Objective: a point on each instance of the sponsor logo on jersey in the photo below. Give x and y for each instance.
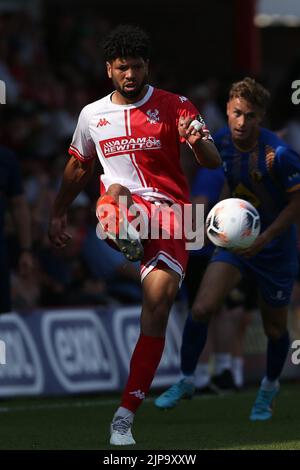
(183, 99)
(102, 122)
(153, 116)
(111, 147)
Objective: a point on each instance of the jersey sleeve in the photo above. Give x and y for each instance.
(287, 165)
(82, 145)
(221, 138)
(208, 183)
(186, 108)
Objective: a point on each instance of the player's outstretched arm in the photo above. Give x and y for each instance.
(205, 150)
(225, 191)
(289, 215)
(75, 178)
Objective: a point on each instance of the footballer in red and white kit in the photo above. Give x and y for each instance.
(136, 132)
(138, 146)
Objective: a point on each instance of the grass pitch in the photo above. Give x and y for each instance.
(212, 422)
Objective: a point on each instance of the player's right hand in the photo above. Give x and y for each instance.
(189, 132)
(57, 232)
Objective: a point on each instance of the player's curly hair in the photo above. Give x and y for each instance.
(252, 91)
(126, 41)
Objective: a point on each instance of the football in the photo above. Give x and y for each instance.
(233, 223)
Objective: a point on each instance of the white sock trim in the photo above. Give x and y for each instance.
(269, 385)
(202, 375)
(189, 379)
(222, 362)
(124, 413)
(237, 369)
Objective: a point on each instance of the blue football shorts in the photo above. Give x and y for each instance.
(274, 273)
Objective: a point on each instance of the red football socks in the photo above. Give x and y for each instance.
(144, 362)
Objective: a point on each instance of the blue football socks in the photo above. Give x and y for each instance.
(277, 352)
(193, 342)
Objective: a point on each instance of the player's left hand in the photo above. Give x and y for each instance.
(188, 132)
(261, 241)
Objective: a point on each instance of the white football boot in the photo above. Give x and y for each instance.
(120, 431)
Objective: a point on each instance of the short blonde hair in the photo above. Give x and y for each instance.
(252, 91)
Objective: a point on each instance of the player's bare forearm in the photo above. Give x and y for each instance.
(22, 220)
(289, 215)
(75, 178)
(225, 191)
(206, 153)
(196, 136)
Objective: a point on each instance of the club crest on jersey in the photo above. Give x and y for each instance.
(153, 116)
(183, 99)
(256, 175)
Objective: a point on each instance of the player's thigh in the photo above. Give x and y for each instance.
(274, 319)
(218, 280)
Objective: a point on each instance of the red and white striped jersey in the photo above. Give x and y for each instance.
(137, 144)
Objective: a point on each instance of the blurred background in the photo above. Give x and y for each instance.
(52, 65)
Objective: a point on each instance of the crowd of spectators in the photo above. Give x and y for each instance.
(51, 70)
(49, 77)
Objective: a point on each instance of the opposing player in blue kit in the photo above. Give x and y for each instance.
(262, 169)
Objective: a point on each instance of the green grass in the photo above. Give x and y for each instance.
(202, 423)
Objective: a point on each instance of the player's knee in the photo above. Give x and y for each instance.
(155, 317)
(202, 312)
(161, 308)
(117, 189)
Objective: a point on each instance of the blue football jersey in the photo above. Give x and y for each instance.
(263, 176)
